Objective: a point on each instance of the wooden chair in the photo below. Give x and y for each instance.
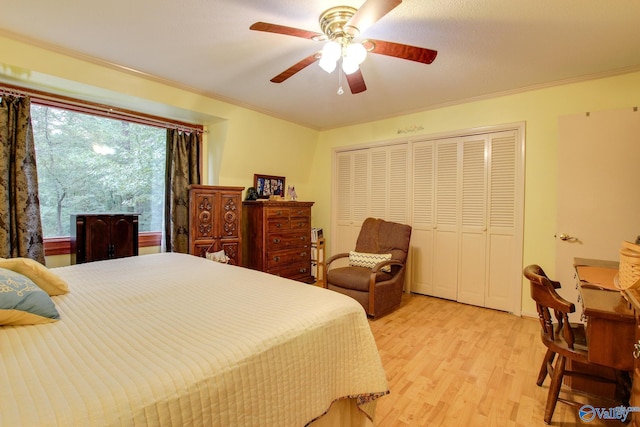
(378, 287)
(562, 338)
(550, 354)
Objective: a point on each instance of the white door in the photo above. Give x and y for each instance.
(351, 186)
(389, 181)
(422, 190)
(445, 251)
(598, 189)
(505, 221)
(473, 227)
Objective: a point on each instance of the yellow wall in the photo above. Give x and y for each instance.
(540, 109)
(241, 142)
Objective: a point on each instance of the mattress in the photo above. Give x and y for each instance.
(177, 340)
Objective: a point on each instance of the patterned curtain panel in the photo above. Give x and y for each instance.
(183, 168)
(20, 223)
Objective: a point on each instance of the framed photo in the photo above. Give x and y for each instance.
(269, 185)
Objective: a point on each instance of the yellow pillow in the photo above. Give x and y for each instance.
(41, 275)
(17, 318)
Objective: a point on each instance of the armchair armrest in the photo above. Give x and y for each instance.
(335, 257)
(382, 264)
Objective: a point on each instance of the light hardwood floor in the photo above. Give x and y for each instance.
(451, 364)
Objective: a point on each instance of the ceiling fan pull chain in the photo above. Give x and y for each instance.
(340, 90)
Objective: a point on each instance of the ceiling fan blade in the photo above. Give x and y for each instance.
(368, 14)
(295, 68)
(404, 51)
(287, 31)
(356, 82)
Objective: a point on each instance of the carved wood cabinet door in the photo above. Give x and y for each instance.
(215, 215)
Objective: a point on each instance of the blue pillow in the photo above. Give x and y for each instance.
(22, 302)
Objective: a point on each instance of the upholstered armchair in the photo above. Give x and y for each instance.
(376, 270)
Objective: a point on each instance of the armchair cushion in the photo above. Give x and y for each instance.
(356, 278)
(367, 260)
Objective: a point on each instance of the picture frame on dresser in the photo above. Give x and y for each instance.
(269, 185)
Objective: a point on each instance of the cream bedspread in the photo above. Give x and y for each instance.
(170, 339)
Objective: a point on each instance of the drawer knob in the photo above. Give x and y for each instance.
(276, 240)
(636, 350)
(276, 258)
(278, 225)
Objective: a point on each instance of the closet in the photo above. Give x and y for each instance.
(463, 196)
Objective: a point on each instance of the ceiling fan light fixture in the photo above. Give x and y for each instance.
(331, 51)
(356, 52)
(349, 65)
(327, 64)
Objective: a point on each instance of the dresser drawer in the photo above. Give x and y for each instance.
(277, 225)
(300, 213)
(301, 223)
(283, 258)
(277, 213)
(277, 242)
(299, 271)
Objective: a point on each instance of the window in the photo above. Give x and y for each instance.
(89, 163)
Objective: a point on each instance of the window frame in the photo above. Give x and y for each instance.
(61, 245)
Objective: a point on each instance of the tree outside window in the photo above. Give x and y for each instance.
(93, 164)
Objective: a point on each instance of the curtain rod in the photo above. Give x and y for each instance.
(81, 106)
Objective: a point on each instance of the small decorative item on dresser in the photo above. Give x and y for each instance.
(291, 193)
(269, 185)
(252, 194)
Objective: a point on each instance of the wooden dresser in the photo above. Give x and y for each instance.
(215, 215)
(96, 237)
(278, 238)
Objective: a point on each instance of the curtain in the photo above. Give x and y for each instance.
(20, 223)
(183, 168)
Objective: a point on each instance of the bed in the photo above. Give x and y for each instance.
(177, 340)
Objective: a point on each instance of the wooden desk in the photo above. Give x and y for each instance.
(610, 318)
(633, 295)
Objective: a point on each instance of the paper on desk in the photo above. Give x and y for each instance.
(598, 276)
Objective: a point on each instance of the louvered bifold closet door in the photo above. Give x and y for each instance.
(389, 183)
(422, 189)
(473, 227)
(504, 248)
(445, 251)
(352, 195)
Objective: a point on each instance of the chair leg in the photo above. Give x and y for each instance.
(548, 359)
(554, 388)
(623, 387)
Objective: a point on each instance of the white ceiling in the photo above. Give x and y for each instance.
(485, 48)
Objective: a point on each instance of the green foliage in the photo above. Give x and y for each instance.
(93, 164)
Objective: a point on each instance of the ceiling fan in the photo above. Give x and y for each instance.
(340, 26)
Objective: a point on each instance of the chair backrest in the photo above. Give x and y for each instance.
(543, 292)
(378, 236)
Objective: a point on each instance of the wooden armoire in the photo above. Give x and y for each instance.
(215, 221)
